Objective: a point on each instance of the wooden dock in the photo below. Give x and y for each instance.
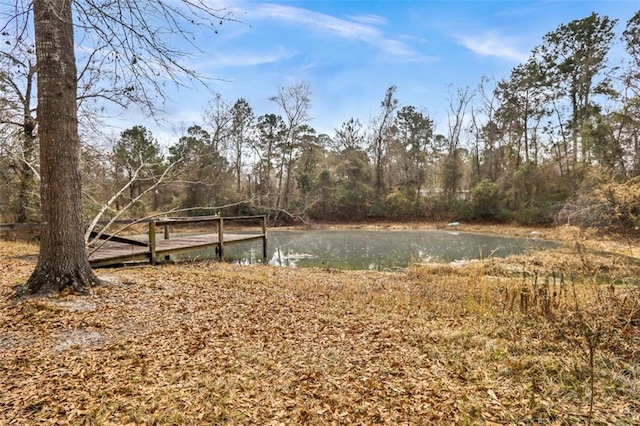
(116, 250)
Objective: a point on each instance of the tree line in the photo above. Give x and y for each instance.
(557, 140)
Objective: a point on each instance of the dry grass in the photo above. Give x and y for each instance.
(512, 341)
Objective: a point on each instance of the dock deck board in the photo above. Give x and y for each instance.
(118, 253)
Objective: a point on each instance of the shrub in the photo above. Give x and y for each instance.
(486, 202)
(604, 203)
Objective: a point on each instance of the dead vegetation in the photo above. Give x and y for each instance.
(548, 338)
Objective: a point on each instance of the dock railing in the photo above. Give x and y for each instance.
(219, 222)
(131, 249)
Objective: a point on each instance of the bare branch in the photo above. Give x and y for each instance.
(107, 205)
(132, 202)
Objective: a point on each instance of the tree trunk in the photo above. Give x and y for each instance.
(379, 166)
(27, 181)
(26, 177)
(239, 169)
(62, 262)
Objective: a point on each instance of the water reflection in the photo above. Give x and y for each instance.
(376, 249)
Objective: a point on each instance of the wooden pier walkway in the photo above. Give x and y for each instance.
(117, 250)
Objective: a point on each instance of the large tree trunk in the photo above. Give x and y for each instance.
(62, 262)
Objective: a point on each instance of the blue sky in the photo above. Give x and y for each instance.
(350, 52)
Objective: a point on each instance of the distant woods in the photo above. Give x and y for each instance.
(557, 140)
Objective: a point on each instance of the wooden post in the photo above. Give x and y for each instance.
(220, 239)
(264, 239)
(166, 237)
(152, 242)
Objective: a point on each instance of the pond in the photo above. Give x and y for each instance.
(375, 249)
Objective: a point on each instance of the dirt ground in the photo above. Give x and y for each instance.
(544, 338)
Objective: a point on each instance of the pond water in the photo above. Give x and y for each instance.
(375, 249)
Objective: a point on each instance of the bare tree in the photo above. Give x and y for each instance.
(241, 133)
(456, 118)
(137, 33)
(295, 103)
(271, 132)
(17, 109)
(380, 143)
(134, 44)
(219, 119)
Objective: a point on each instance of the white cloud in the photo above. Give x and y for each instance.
(361, 28)
(492, 44)
(369, 19)
(239, 59)
(413, 39)
(402, 52)
(318, 21)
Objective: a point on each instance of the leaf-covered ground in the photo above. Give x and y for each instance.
(493, 342)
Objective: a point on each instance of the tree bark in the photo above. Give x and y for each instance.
(62, 263)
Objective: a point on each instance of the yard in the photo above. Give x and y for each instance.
(544, 338)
